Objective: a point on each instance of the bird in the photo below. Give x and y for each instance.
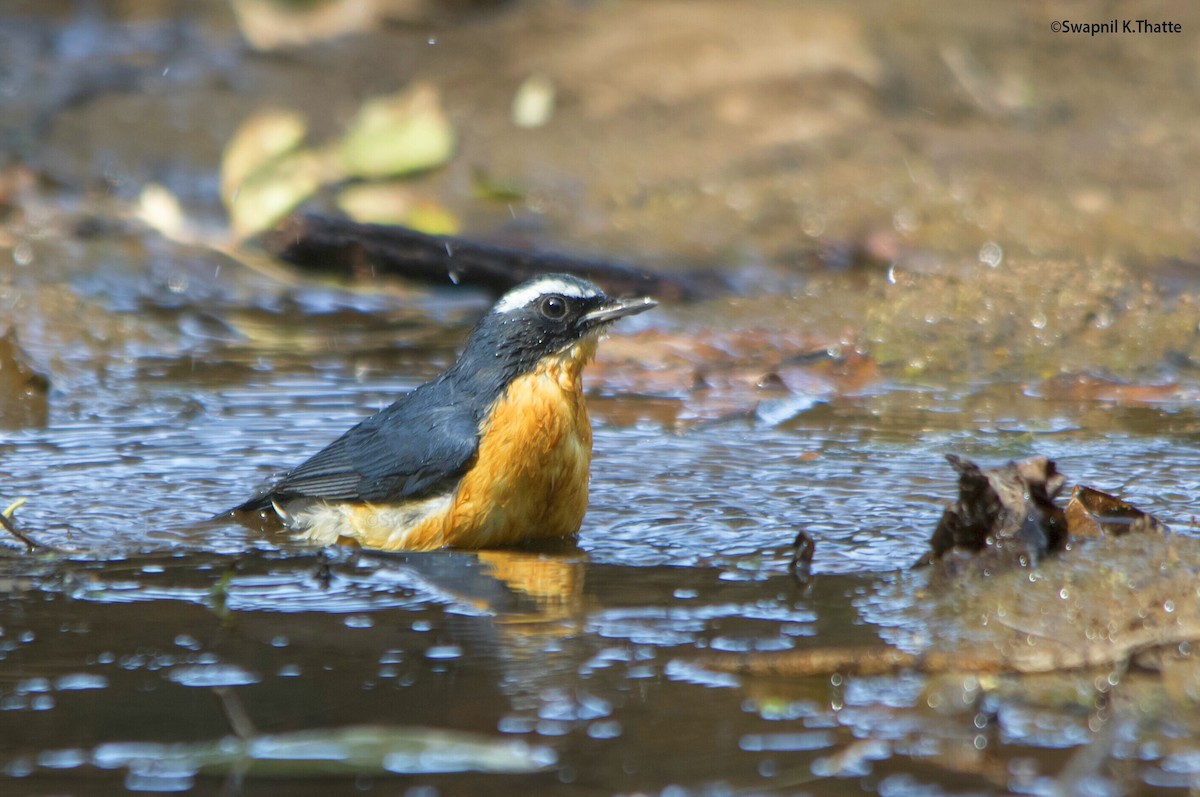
(493, 452)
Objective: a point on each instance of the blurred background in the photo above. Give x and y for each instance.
(947, 188)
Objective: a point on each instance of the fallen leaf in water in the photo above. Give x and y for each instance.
(268, 194)
(1088, 387)
(487, 186)
(275, 24)
(1006, 515)
(1093, 513)
(349, 751)
(23, 389)
(397, 135)
(533, 103)
(377, 203)
(264, 137)
(394, 203)
(433, 218)
(159, 210)
(264, 173)
(13, 507)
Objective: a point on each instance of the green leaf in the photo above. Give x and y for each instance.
(271, 192)
(396, 135)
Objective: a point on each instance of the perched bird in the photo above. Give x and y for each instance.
(493, 451)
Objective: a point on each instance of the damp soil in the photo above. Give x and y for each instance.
(935, 248)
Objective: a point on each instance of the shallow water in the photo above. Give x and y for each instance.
(589, 650)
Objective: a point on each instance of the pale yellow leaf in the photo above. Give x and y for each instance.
(397, 135)
(271, 192)
(377, 203)
(159, 209)
(433, 218)
(533, 104)
(258, 140)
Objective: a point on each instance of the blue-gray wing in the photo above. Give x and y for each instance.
(415, 447)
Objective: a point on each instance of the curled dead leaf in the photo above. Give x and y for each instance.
(1093, 513)
(1006, 513)
(23, 389)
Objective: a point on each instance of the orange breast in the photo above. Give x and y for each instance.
(530, 476)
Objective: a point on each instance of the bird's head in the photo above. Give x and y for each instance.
(552, 316)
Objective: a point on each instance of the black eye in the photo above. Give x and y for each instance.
(553, 307)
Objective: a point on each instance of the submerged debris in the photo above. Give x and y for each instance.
(337, 246)
(267, 171)
(23, 389)
(355, 750)
(1098, 606)
(349, 751)
(1092, 513)
(1006, 513)
(9, 524)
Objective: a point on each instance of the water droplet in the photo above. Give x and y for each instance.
(991, 255)
(22, 253)
(904, 220)
(213, 675)
(80, 680)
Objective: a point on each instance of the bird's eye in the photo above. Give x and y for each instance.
(553, 308)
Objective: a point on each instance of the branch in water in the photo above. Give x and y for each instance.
(351, 248)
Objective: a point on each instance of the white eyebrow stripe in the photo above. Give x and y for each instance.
(523, 295)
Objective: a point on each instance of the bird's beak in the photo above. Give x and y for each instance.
(618, 308)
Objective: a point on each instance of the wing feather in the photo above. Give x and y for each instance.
(412, 448)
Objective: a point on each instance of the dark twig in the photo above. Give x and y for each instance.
(803, 548)
(235, 711)
(353, 249)
(30, 542)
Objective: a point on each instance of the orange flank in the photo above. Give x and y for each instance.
(530, 476)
